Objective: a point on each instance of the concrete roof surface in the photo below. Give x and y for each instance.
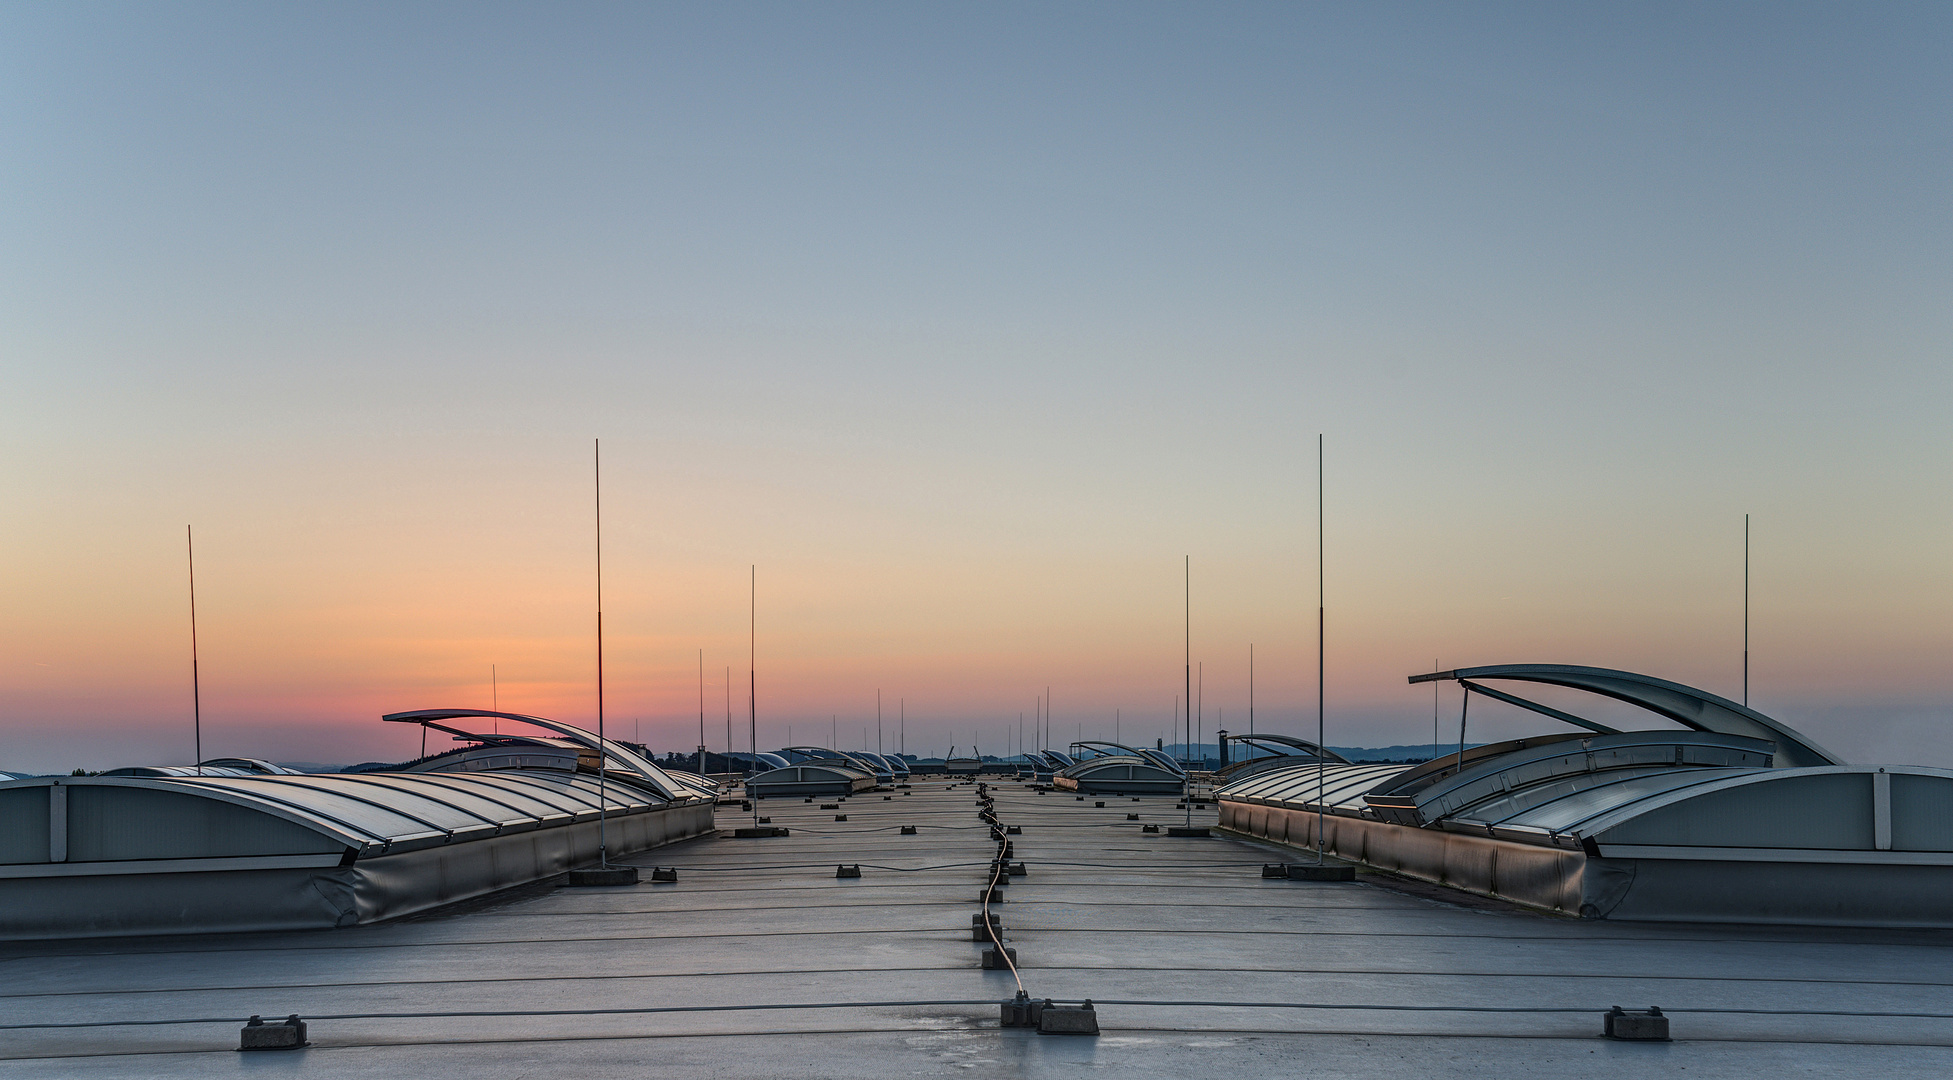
(1106, 912)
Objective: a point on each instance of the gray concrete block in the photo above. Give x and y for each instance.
(1068, 1019)
(603, 875)
(288, 1034)
(1639, 1025)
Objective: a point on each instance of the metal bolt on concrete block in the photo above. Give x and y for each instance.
(258, 1035)
(664, 873)
(1637, 1025)
(1068, 1019)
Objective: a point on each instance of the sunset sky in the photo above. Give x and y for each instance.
(965, 325)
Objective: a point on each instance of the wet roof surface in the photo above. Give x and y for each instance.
(1105, 912)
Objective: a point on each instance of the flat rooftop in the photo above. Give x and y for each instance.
(1197, 965)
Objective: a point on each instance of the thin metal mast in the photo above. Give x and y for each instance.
(729, 718)
(196, 689)
(603, 751)
(902, 726)
(495, 696)
(701, 712)
(878, 720)
(1746, 611)
(1186, 600)
(1322, 762)
(1251, 688)
(752, 671)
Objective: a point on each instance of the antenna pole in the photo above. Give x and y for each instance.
(1186, 610)
(196, 689)
(701, 712)
(603, 749)
(495, 696)
(878, 720)
(1251, 688)
(752, 670)
(729, 718)
(1321, 666)
(1746, 611)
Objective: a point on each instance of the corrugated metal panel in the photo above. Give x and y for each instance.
(620, 794)
(1822, 809)
(1342, 785)
(1922, 812)
(463, 799)
(23, 825)
(1595, 753)
(559, 790)
(1559, 805)
(527, 804)
(142, 818)
(108, 823)
(362, 815)
(393, 792)
(1568, 813)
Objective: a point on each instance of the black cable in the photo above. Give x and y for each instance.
(1531, 1010)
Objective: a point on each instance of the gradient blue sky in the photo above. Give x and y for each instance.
(966, 324)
